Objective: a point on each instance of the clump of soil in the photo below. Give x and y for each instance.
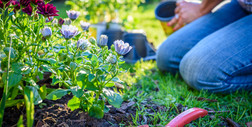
(58, 114)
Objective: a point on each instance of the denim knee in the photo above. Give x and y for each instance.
(203, 75)
(167, 57)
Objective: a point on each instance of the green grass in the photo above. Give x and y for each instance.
(144, 78)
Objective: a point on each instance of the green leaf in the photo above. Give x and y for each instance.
(14, 79)
(2, 55)
(32, 82)
(37, 99)
(73, 66)
(16, 67)
(77, 91)
(113, 98)
(57, 94)
(74, 103)
(14, 92)
(43, 92)
(106, 109)
(11, 103)
(110, 84)
(94, 60)
(87, 85)
(48, 60)
(91, 77)
(96, 111)
(81, 76)
(116, 79)
(12, 52)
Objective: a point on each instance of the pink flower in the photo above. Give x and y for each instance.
(27, 10)
(47, 9)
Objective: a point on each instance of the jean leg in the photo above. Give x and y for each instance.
(172, 50)
(221, 62)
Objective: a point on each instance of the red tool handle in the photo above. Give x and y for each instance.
(186, 117)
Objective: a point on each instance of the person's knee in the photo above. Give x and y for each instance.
(167, 56)
(201, 74)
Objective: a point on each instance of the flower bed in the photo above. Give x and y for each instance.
(33, 44)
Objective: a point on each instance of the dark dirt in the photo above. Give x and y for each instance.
(57, 114)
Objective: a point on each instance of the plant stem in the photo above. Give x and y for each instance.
(4, 97)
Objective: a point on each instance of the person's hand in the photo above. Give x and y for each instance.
(186, 12)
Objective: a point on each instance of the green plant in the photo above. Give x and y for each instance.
(32, 44)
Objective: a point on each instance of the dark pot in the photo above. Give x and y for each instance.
(113, 35)
(164, 12)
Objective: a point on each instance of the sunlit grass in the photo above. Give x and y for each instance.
(143, 78)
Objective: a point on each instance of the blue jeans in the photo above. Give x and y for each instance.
(212, 53)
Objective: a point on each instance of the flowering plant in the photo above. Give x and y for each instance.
(33, 44)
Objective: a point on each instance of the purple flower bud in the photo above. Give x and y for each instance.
(73, 15)
(103, 40)
(46, 32)
(61, 22)
(111, 59)
(83, 44)
(85, 25)
(69, 31)
(122, 48)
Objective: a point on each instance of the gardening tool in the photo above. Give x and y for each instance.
(164, 12)
(185, 117)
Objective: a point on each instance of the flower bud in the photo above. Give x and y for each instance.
(83, 44)
(46, 32)
(103, 40)
(73, 15)
(92, 40)
(85, 25)
(111, 59)
(36, 16)
(122, 48)
(67, 21)
(61, 22)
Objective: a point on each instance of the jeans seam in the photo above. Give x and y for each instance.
(229, 77)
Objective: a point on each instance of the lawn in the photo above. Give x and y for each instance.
(145, 85)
